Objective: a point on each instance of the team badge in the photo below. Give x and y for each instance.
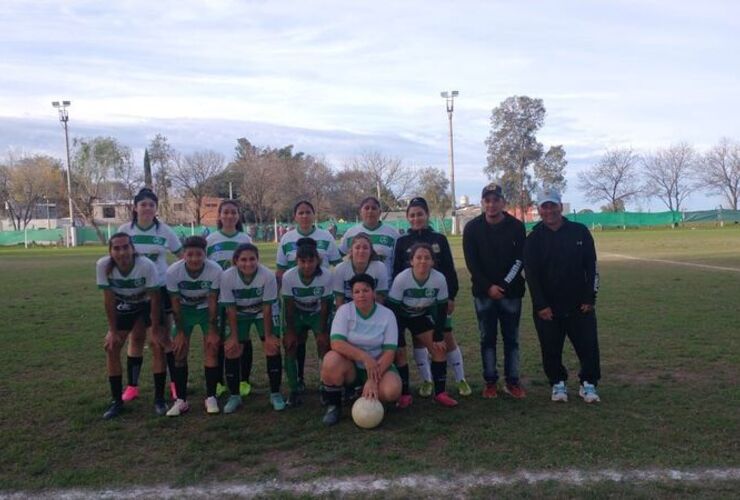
(435, 247)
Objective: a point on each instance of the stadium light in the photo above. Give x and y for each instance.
(449, 97)
(64, 118)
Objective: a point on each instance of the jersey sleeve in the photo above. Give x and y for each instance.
(344, 243)
(226, 294)
(270, 294)
(151, 277)
(173, 242)
(443, 295)
(383, 284)
(390, 337)
(328, 284)
(286, 289)
(216, 281)
(171, 279)
(340, 325)
(101, 277)
(281, 260)
(332, 252)
(396, 292)
(338, 280)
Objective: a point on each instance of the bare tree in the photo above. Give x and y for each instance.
(349, 187)
(194, 174)
(317, 183)
(387, 176)
(668, 173)
(613, 179)
(161, 156)
(719, 171)
(434, 187)
(26, 182)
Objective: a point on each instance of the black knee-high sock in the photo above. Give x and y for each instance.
(332, 394)
(116, 387)
(221, 357)
(403, 371)
(246, 360)
(439, 374)
(159, 381)
(300, 354)
(133, 369)
(181, 381)
(170, 358)
(232, 375)
(275, 372)
(211, 373)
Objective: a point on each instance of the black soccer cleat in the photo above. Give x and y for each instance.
(115, 409)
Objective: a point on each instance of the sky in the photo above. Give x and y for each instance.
(337, 78)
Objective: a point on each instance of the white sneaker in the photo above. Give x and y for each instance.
(588, 393)
(559, 392)
(212, 406)
(179, 407)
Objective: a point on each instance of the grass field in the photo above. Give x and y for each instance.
(670, 363)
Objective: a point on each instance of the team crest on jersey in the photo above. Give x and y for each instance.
(205, 284)
(429, 293)
(384, 240)
(258, 292)
(158, 240)
(318, 290)
(435, 247)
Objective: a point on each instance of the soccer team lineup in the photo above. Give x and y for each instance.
(363, 298)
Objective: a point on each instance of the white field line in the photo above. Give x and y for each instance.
(418, 485)
(617, 256)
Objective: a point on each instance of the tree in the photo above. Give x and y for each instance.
(516, 160)
(668, 173)
(612, 179)
(317, 183)
(194, 174)
(434, 187)
(162, 156)
(147, 169)
(257, 170)
(385, 176)
(349, 187)
(100, 164)
(26, 182)
(719, 171)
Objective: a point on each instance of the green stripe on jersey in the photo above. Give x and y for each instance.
(421, 293)
(248, 293)
(223, 246)
(376, 239)
(127, 283)
(149, 239)
(194, 285)
(291, 245)
(312, 291)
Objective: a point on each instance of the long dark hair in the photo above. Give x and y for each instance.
(143, 194)
(364, 236)
(307, 249)
(111, 264)
(239, 225)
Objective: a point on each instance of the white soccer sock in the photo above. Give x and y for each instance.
(455, 360)
(421, 356)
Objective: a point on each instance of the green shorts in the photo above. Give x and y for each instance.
(192, 317)
(244, 325)
(307, 321)
(361, 375)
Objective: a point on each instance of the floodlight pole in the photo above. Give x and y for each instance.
(450, 101)
(64, 118)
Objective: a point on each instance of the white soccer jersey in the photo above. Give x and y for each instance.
(346, 271)
(132, 287)
(415, 298)
(154, 242)
(307, 296)
(374, 333)
(326, 246)
(221, 246)
(382, 237)
(193, 290)
(248, 295)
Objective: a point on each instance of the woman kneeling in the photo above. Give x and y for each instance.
(364, 338)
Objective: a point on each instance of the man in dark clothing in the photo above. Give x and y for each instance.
(560, 266)
(493, 244)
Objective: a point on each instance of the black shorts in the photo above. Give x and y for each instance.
(165, 303)
(128, 314)
(416, 325)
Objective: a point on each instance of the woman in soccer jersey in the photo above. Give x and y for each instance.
(419, 299)
(153, 239)
(131, 297)
(362, 259)
(304, 216)
(220, 249)
(306, 291)
(417, 213)
(248, 291)
(364, 337)
(382, 236)
(193, 284)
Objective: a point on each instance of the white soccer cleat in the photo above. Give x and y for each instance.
(179, 407)
(559, 392)
(212, 406)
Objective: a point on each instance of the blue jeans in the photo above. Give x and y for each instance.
(490, 314)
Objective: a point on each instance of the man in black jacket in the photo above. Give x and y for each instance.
(493, 244)
(560, 265)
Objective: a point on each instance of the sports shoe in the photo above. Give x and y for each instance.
(559, 392)
(173, 391)
(277, 401)
(130, 393)
(245, 388)
(426, 388)
(179, 407)
(588, 393)
(295, 399)
(331, 417)
(220, 389)
(212, 406)
(515, 391)
(405, 401)
(160, 407)
(233, 403)
(113, 410)
(490, 391)
(445, 400)
(463, 388)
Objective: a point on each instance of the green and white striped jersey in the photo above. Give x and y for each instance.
(326, 246)
(307, 296)
(132, 287)
(346, 271)
(193, 290)
(382, 237)
(418, 298)
(221, 246)
(248, 294)
(154, 242)
(374, 333)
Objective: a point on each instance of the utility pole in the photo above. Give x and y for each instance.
(450, 101)
(64, 118)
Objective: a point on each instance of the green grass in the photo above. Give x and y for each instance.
(670, 363)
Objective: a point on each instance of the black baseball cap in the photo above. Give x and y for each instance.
(493, 189)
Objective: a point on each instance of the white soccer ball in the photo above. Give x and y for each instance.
(367, 413)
